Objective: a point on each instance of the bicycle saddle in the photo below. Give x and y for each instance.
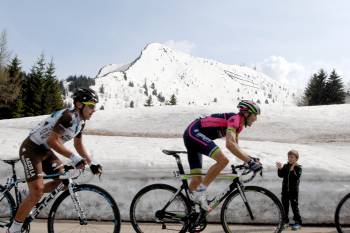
(174, 152)
(10, 161)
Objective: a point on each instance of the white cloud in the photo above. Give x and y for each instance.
(297, 75)
(182, 45)
(289, 73)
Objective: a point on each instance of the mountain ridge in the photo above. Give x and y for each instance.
(160, 72)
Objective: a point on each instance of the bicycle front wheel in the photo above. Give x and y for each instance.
(342, 215)
(7, 208)
(96, 207)
(260, 212)
(159, 207)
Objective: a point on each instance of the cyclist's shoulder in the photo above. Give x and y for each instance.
(65, 116)
(224, 115)
(234, 119)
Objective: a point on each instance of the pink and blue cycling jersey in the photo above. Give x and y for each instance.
(199, 135)
(215, 125)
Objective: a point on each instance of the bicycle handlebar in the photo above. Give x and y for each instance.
(70, 172)
(245, 170)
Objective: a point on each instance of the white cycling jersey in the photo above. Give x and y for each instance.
(66, 123)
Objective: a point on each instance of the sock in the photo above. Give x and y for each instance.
(16, 226)
(201, 188)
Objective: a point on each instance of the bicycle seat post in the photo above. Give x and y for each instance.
(13, 170)
(179, 164)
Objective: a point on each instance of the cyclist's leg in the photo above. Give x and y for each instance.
(198, 143)
(194, 158)
(214, 170)
(208, 147)
(52, 165)
(31, 156)
(36, 190)
(195, 161)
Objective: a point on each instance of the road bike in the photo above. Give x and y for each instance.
(162, 208)
(75, 207)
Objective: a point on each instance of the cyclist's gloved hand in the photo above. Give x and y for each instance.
(96, 168)
(77, 161)
(254, 164)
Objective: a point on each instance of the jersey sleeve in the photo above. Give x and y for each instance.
(81, 131)
(64, 122)
(233, 122)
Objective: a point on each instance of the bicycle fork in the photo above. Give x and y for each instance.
(245, 201)
(76, 202)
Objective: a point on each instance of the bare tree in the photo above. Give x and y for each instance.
(4, 52)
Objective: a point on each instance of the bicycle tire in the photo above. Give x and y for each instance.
(240, 216)
(338, 215)
(7, 207)
(95, 195)
(144, 220)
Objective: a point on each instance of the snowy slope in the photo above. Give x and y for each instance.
(321, 134)
(160, 72)
(289, 124)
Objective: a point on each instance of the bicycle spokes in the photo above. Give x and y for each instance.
(257, 208)
(156, 208)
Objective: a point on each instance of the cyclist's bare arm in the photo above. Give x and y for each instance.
(79, 146)
(232, 145)
(54, 142)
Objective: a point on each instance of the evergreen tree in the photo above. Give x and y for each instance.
(102, 89)
(15, 85)
(132, 104)
(160, 97)
(63, 90)
(172, 100)
(145, 87)
(80, 81)
(52, 95)
(154, 92)
(315, 93)
(335, 89)
(35, 88)
(149, 102)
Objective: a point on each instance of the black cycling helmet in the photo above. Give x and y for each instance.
(249, 106)
(85, 95)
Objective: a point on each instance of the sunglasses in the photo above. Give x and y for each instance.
(91, 105)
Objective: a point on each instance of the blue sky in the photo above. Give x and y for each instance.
(286, 39)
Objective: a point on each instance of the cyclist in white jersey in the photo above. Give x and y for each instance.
(37, 156)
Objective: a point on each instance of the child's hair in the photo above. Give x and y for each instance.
(294, 152)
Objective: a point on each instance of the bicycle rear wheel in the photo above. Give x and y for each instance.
(7, 208)
(264, 206)
(159, 207)
(342, 215)
(100, 210)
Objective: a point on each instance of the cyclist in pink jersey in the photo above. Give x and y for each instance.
(198, 139)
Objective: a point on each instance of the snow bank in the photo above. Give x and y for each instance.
(320, 134)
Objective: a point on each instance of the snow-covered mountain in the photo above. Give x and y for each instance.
(160, 72)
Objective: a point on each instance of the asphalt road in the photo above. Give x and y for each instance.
(40, 226)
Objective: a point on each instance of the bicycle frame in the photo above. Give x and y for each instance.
(13, 182)
(215, 202)
(66, 182)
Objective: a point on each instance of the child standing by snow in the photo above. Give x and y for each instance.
(291, 172)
